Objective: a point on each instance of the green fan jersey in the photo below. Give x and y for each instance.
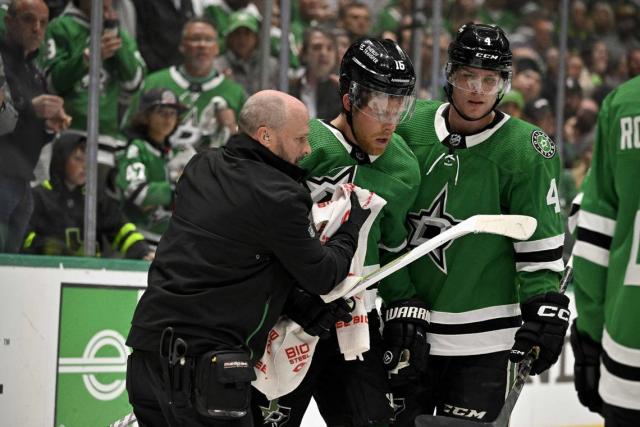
(474, 284)
(143, 180)
(203, 97)
(393, 175)
(607, 251)
(68, 72)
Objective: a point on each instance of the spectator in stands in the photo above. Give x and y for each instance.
(68, 71)
(39, 114)
(142, 169)
(159, 24)
(512, 103)
(57, 224)
(241, 61)
(355, 18)
(633, 62)
(342, 44)
(318, 87)
(527, 78)
(212, 99)
(627, 21)
(540, 113)
(580, 31)
(311, 13)
(573, 97)
(579, 130)
(219, 12)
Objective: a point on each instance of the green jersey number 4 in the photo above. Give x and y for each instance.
(552, 196)
(632, 275)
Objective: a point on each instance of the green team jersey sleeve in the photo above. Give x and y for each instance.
(64, 63)
(134, 177)
(129, 63)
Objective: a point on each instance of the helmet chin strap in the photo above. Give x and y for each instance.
(448, 89)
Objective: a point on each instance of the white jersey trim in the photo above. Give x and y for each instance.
(590, 252)
(471, 140)
(470, 344)
(472, 316)
(572, 221)
(134, 83)
(340, 137)
(557, 265)
(620, 353)
(396, 249)
(540, 245)
(598, 223)
(618, 391)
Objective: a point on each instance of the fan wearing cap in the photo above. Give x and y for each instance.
(359, 146)
(142, 169)
(485, 292)
(56, 226)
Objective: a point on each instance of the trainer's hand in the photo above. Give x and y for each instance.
(586, 369)
(406, 349)
(314, 315)
(358, 215)
(546, 319)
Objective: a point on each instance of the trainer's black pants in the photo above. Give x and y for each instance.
(469, 387)
(150, 400)
(353, 393)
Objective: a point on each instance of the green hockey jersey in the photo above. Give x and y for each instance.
(145, 186)
(394, 176)
(203, 97)
(68, 73)
(607, 250)
(474, 284)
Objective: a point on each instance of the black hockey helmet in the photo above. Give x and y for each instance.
(481, 46)
(379, 67)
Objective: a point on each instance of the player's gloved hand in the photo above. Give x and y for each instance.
(405, 340)
(358, 214)
(314, 315)
(546, 319)
(586, 369)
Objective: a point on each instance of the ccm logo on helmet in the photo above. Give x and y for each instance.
(486, 55)
(553, 311)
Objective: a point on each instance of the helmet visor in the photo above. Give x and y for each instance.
(381, 106)
(468, 80)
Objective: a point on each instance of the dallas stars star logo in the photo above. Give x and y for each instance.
(430, 222)
(275, 415)
(323, 187)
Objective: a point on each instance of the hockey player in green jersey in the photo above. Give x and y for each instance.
(67, 69)
(213, 101)
(492, 300)
(605, 337)
(359, 146)
(142, 168)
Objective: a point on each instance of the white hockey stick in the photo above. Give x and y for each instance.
(519, 227)
(524, 368)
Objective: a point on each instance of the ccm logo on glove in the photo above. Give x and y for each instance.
(554, 311)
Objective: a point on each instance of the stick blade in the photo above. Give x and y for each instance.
(439, 421)
(519, 227)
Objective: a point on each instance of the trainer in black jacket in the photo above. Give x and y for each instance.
(239, 238)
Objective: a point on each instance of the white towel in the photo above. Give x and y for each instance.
(289, 349)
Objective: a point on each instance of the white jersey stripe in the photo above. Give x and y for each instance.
(396, 249)
(557, 265)
(620, 353)
(598, 223)
(572, 221)
(592, 253)
(618, 391)
(468, 344)
(479, 315)
(540, 245)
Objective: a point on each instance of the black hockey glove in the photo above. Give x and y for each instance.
(405, 340)
(314, 315)
(546, 319)
(586, 369)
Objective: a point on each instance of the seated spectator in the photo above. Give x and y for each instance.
(512, 103)
(241, 61)
(38, 116)
(212, 100)
(355, 18)
(142, 169)
(57, 224)
(527, 78)
(579, 131)
(317, 87)
(540, 113)
(633, 63)
(219, 12)
(68, 72)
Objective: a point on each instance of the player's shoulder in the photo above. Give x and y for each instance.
(624, 97)
(522, 140)
(157, 77)
(399, 162)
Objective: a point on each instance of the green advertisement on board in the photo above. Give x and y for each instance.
(92, 355)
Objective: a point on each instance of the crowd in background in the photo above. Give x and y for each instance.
(175, 74)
